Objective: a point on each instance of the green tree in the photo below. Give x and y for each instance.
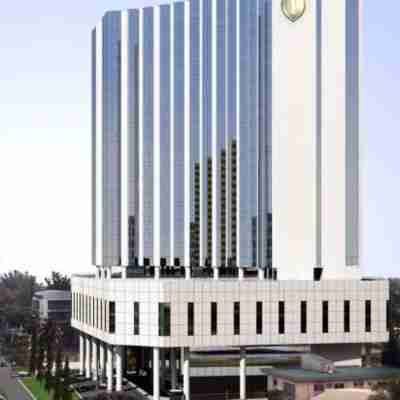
(41, 356)
(58, 281)
(49, 339)
(16, 292)
(67, 380)
(58, 384)
(33, 355)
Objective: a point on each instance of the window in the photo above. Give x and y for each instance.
(303, 317)
(339, 386)
(136, 320)
(214, 318)
(236, 318)
(388, 315)
(325, 317)
(90, 311)
(97, 313)
(58, 305)
(259, 315)
(318, 388)
(368, 316)
(190, 319)
(281, 316)
(164, 319)
(111, 317)
(101, 314)
(347, 316)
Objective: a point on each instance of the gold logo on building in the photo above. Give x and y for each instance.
(294, 9)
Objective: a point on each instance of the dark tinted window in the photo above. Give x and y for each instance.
(259, 312)
(190, 319)
(236, 318)
(325, 317)
(347, 316)
(281, 316)
(214, 318)
(164, 319)
(368, 316)
(136, 320)
(111, 317)
(303, 317)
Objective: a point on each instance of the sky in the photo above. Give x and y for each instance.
(45, 210)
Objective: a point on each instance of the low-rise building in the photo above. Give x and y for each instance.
(53, 304)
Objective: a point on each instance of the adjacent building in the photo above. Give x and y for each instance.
(53, 304)
(226, 185)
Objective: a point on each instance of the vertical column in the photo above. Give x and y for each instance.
(242, 373)
(118, 367)
(241, 273)
(95, 368)
(102, 361)
(109, 368)
(215, 150)
(88, 358)
(187, 141)
(186, 373)
(156, 145)
(156, 373)
(98, 190)
(173, 368)
(162, 367)
(81, 354)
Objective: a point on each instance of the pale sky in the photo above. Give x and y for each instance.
(45, 134)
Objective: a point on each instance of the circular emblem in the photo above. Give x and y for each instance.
(293, 9)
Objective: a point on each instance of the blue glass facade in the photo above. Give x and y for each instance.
(196, 102)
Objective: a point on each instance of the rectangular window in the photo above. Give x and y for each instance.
(259, 316)
(214, 318)
(190, 319)
(136, 320)
(281, 316)
(164, 319)
(368, 316)
(303, 317)
(101, 314)
(111, 317)
(97, 313)
(236, 318)
(325, 317)
(90, 311)
(388, 315)
(347, 316)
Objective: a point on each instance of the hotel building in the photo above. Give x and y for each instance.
(226, 185)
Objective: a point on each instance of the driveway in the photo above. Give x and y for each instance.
(11, 387)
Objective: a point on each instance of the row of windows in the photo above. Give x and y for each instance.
(93, 312)
(95, 316)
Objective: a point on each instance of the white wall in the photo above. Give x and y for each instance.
(178, 292)
(294, 143)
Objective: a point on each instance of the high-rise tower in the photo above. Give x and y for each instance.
(226, 152)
